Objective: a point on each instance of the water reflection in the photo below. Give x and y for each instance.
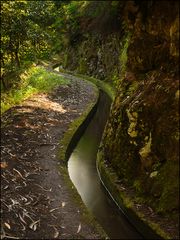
(83, 173)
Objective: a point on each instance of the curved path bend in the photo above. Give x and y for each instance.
(36, 202)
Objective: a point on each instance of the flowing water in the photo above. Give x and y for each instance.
(83, 173)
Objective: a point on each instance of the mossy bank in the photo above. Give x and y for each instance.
(68, 142)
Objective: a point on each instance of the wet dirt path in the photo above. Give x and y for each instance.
(35, 201)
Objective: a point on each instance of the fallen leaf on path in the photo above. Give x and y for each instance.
(33, 225)
(23, 227)
(56, 234)
(21, 218)
(19, 173)
(53, 216)
(52, 210)
(47, 190)
(79, 228)
(14, 202)
(7, 225)
(53, 148)
(10, 237)
(12, 155)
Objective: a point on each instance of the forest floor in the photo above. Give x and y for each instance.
(36, 202)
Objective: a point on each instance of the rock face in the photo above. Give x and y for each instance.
(140, 58)
(141, 137)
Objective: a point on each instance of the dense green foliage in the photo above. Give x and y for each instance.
(28, 30)
(35, 30)
(25, 35)
(31, 31)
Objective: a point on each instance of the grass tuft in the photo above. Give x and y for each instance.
(33, 81)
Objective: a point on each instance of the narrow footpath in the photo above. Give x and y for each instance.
(36, 200)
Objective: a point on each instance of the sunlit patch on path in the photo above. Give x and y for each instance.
(42, 101)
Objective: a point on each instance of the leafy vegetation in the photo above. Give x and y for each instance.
(34, 80)
(36, 30)
(30, 30)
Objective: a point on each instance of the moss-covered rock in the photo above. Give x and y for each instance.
(140, 140)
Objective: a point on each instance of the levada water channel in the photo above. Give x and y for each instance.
(83, 173)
